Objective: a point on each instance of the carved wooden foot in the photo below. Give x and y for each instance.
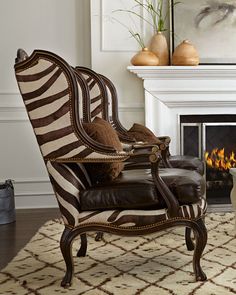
(99, 236)
(188, 239)
(201, 240)
(66, 245)
(83, 248)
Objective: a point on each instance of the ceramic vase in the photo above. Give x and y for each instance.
(233, 193)
(159, 46)
(185, 54)
(145, 58)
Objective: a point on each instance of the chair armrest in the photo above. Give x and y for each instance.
(171, 201)
(164, 147)
(95, 157)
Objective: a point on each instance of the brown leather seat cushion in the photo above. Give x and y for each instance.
(135, 189)
(187, 162)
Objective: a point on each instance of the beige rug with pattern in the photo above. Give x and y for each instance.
(157, 264)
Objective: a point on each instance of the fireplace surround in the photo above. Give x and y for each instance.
(213, 139)
(171, 92)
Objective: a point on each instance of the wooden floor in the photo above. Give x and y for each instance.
(14, 236)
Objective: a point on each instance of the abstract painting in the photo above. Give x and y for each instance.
(210, 25)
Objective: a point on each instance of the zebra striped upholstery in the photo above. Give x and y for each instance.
(97, 104)
(53, 93)
(50, 96)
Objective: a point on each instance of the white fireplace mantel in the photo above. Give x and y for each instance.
(174, 91)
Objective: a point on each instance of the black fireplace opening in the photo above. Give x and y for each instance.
(213, 139)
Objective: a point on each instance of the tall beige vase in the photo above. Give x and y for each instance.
(159, 46)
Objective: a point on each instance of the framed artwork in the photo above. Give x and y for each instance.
(210, 25)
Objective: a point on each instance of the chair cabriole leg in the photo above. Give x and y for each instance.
(66, 250)
(188, 239)
(201, 240)
(83, 248)
(99, 236)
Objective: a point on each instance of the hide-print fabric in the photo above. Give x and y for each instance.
(47, 96)
(96, 103)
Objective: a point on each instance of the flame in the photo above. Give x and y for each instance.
(218, 160)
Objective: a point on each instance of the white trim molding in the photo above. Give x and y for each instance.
(35, 192)
(174, 91)
(185, 72)
(11, 107)
(131, 107)
(12, 114)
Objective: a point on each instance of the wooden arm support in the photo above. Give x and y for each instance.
(171, 201)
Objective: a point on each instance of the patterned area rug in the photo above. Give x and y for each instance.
(156, 264)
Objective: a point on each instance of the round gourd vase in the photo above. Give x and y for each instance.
(159, 46)
(145, 58)
(185, 54)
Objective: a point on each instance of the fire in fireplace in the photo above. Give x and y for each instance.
(213, 139)
(218, 179)
(217, 159)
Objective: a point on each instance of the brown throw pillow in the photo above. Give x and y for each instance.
(142, 133)
(101, 131)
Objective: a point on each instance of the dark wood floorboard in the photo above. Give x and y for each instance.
(14, 236)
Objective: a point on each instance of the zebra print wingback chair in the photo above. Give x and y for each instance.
(52, 94)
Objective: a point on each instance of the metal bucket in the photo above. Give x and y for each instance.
(7, 203)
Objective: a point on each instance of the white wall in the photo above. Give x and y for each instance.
(60, 26)
(112, 49)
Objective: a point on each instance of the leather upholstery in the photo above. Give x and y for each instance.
(187, 162)
(135, 189)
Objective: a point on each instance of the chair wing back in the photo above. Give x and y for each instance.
(105, 101)
(49, 91)
(97, 105)
(113, 104)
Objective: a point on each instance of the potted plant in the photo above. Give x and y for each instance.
(158, 14)
(145, 57)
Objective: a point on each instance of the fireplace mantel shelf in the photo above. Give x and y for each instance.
(186, 72)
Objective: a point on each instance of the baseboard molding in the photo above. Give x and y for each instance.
(220, 208)
(35, 201)
(34, 192)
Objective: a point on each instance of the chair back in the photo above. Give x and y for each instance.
(103, 101)
(51, 97)
(97, 105)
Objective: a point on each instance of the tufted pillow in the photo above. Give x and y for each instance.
(142, 133)
(101, 131)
